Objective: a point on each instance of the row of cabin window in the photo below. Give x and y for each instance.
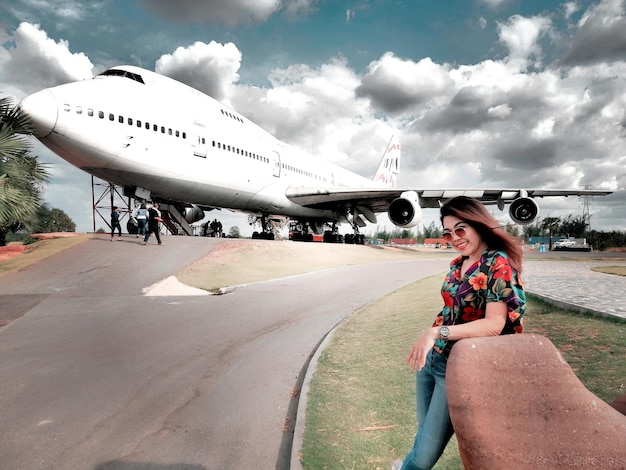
(239, 151)
(232, 116)
(302, 172)
(121, 120)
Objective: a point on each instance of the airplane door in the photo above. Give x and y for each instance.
(199, 140)
(276, 164)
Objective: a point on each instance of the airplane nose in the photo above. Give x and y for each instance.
(42, 109)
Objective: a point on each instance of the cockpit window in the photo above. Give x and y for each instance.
(123, 73)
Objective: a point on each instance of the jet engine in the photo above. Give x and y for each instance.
(523, 210)
(193, 214)
(405, 211)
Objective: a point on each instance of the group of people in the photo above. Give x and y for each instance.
(212, 229)
(148, 219)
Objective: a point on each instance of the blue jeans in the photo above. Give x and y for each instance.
(151, 229)
(141, 226)
(434, 428)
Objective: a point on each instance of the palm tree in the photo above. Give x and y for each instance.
(21, 176)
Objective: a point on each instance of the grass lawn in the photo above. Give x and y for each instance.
(617, 270)
(360, 412)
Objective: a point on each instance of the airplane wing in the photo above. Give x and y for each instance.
(378, 200)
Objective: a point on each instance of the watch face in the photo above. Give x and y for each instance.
(444, 332)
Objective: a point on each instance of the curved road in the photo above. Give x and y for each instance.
(95, 375)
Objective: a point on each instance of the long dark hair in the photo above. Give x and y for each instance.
(472, 212)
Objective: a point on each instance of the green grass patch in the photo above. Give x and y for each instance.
(617, 270)
(361, 405)
(594, 347)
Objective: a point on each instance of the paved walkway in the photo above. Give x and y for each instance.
(573, 284)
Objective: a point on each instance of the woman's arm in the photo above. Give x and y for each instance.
(491, 325)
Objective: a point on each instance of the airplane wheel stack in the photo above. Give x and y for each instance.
(263, 236)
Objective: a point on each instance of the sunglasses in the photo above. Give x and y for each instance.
(459, 231)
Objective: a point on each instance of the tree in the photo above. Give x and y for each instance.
(512, 229)
(552, 226)
(432, 231)
(21, 175)
(532, 230)
(234, 232)
(382, 235)
(54, 220)
(575, 226)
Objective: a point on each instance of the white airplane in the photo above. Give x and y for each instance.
(164, 141)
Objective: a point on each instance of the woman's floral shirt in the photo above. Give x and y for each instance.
(492, 279)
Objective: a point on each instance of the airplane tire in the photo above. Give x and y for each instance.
(330, 237)
(263, 236)
(131, 228)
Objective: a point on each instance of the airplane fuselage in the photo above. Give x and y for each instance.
(139, 129)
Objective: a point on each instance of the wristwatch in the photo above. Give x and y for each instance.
(444, 333)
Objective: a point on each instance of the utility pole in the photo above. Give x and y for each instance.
(586, 202)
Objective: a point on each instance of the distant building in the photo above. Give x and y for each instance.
(403, 241)
(436, 242)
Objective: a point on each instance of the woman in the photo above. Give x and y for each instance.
(142, 219)
(483, 296)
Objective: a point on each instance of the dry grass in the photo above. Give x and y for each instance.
(236, 263)
(40, 250)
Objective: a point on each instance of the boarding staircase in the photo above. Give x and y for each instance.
(174, 221)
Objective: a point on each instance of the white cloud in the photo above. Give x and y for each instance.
(521, 37)
(569, 8)
(211, 68)
(37, 61)
(600, 35)
(307, 107)
(393, 84)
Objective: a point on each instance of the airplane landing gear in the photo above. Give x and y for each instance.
(263, 236)
(355, 238)
(266, 226)
(333, 235)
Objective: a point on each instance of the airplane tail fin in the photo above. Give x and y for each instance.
(389, 167)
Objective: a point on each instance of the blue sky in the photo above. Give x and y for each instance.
(481, 92)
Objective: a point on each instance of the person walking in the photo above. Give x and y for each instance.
(154, 217)
(115, 223)
(142, 219)
(483, 295)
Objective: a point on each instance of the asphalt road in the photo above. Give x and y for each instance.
(96, 375)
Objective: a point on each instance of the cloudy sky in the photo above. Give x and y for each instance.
(483, 93)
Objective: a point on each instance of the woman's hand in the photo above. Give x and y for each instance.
(416, 358)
